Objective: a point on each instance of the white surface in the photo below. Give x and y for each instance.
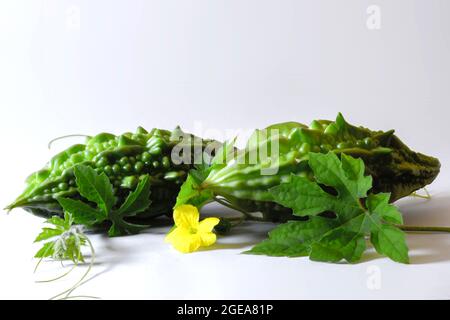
(144, 267)
(212, 66)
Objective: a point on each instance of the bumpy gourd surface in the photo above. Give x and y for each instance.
(122, 158)
(393, 166)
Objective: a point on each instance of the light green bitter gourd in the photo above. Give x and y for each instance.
(395, 168)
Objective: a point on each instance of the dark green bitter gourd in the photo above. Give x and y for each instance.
(395, 168)
(123, 159)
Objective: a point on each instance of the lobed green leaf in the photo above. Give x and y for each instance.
(138, 200)
(46, 251)
(390, 241)
(342, 238)
(303, 196)
(81, 212)
(95, 187)
(379, 204)
(294, 238)
(48, 233)
(191, 193)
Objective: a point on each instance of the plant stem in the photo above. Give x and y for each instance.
(423, 228)
(67, 292)
(247, 216)
(426, 196)
(229, 205)
(64, 137)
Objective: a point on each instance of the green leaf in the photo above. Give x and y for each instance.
(81, 212)
(72, 250)
(346, 176)
(303, 196)
(357, 215)
(67, 243)
(191, 193)
(98, 189)
(138, 200)
(46, 250)
(323, 239)
(390, 241)
(337, 245)
(201, 171)
(307, 197)
(121, 228)
(354, 171)
(379, 204)
(346, 241)
(48, 233)
(95, 187)
(68, 220)
(57, 222)
(294, 238)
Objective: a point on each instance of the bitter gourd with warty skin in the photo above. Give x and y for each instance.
(123, 159)
(394, 167)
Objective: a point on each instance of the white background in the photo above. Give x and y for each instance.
(213, 66)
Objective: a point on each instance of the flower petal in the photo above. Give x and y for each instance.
(184, 241)
(186, 216)
(174, 233)
(207, 225)
(208, 238)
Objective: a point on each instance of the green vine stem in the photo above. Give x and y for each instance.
(423, 228)
(249, 217)
(64, 137)
(65, 295)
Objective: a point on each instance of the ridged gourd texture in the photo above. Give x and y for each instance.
(123, 159)
(395, 168)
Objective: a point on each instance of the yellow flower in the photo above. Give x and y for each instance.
(189, 234)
